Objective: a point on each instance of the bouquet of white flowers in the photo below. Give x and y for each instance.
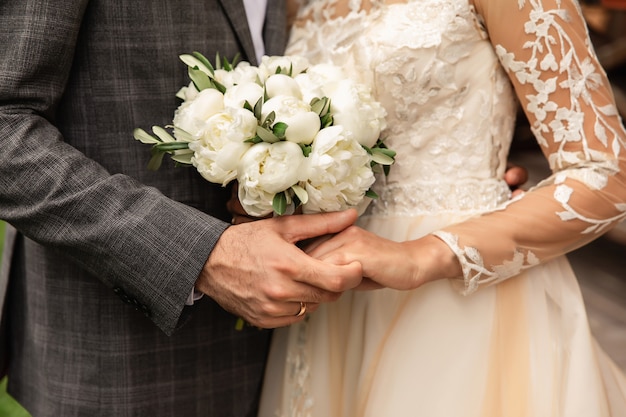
(292, 134)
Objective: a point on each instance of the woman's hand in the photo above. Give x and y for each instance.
(515, 176)
(385, 263)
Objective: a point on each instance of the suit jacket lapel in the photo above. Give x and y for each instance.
(275, 28)
(235, 12)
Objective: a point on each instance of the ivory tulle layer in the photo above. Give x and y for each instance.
(519, 348)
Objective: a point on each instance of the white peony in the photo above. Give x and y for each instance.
(302, 123)
(242, 73)
(238, 94)
(354, 108)
(315, 78)
(270, 64)
(265, 170)
(282, 85)
(221, 144)
(192, 115)
(339, 172)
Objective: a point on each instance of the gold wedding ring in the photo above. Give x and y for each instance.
(302, 309)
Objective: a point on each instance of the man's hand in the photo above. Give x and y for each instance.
(258, 273)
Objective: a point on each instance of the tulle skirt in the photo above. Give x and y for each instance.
(519, 348)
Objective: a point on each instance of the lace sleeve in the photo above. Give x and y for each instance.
(545, 49)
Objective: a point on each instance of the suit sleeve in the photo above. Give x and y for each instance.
(137, 241)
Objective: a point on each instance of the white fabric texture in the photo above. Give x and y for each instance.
(447, 72)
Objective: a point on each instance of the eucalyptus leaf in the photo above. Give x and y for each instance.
(279, 203)
(144, 137)
(301, 193)
(163, 134)
(266, 135)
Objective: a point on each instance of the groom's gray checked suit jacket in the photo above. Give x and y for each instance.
(107, 251)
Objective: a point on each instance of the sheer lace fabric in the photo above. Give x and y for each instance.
(444, 69)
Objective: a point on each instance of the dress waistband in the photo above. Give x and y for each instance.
(422, 197)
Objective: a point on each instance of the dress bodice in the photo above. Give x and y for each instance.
(450, 107)
(443, 70)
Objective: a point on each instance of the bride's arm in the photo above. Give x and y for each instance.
(545, 48)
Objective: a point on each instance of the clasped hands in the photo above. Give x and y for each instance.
(266, 271)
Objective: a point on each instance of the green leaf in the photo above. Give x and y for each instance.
(156, 160)
(269, 120)
(266, 135)
(279, 203)
(239, 324)
(182, 135)
(258, 108)
(306, 149)
(301, 193)
(184, 158)
(204, 61)
(386, 169)
(279, 129)
(200, 79)
(194, 63)
(253, 140)
(389, 152)
(381, 158)
(163, 134)
(171, 146)
(371, 194)
(326, 120)
(320, 105)
(218, 86)
(144, 137)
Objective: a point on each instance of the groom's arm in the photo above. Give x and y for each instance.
(139, 243)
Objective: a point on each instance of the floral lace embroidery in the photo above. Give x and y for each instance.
(475, 273)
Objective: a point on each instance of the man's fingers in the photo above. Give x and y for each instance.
(307, 226)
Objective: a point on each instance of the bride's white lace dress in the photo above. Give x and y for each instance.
(510, 337)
